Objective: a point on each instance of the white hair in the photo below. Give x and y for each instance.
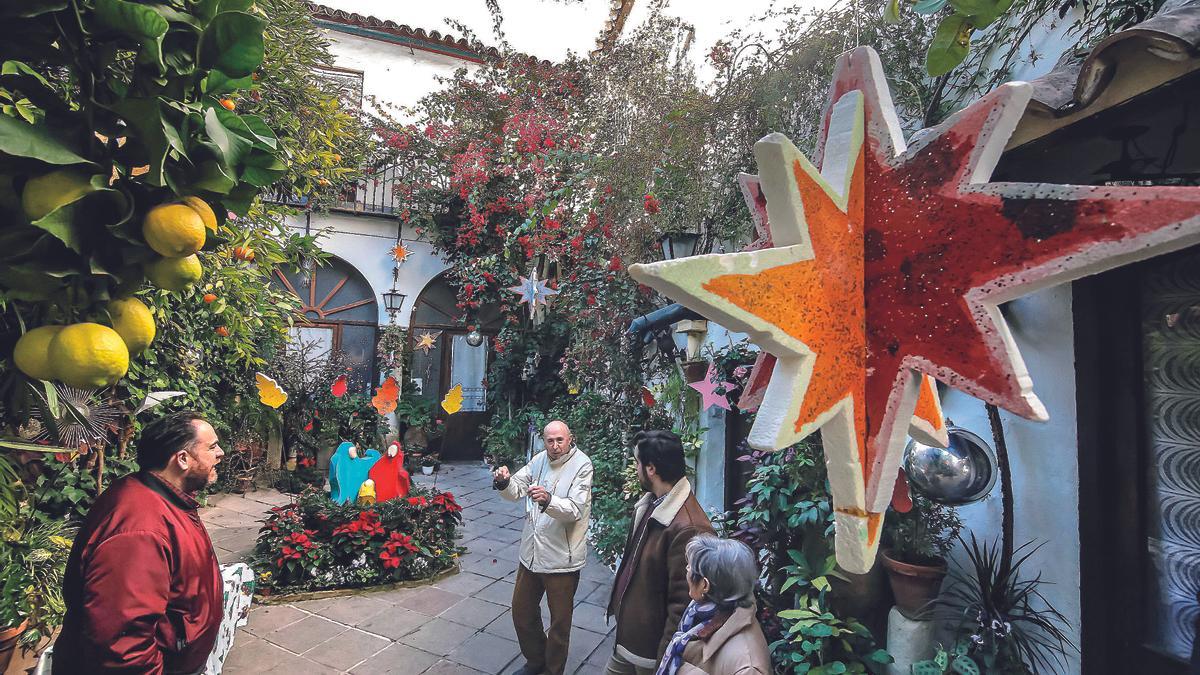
(729, 566)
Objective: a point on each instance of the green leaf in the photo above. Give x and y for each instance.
(36, 142)
(220, 83)
(821, 583)
(231, 146)
(28, 8)
(14, 444)
(928, 6)
(214, 178)
(262, 169)
(891, 13)
(835, 668)
(995, 10)
(950, 44)
(232, 43)
(140, 22)
(20, 68)
(925, 668)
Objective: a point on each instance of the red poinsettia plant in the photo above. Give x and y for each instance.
(315, 544)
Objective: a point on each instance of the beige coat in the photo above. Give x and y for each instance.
(554, 539)
(736, 648)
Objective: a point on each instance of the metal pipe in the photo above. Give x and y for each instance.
(646, 324)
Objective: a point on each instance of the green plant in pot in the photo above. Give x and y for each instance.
(1004, 624)
(33, 556)
(917, 544)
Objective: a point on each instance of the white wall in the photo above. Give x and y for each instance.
(366, 243)
(392, 73)
(1044, 456)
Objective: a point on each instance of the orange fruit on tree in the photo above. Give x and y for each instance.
(222, 331)
(228, 104)
(210, 297)
(243, 253)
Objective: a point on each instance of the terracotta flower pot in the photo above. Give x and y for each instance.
(914, 586)
(8, 643)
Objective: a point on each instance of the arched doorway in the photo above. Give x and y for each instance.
(452, 361)
(342, 315)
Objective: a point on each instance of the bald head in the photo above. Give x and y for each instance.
(557, 438)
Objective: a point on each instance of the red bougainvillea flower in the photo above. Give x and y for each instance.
(650, 203)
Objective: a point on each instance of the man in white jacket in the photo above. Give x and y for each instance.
(557, 488)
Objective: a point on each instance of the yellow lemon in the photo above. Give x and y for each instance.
(173, 230)
(133, 322)
(203, 210)
(32, 353)
(45, 193)
(88, 355)
(174, 274)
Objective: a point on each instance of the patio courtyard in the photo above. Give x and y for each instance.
(459, 625)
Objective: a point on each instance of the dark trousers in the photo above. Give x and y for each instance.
(544, 649)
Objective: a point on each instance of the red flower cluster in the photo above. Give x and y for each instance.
(650, 203)
(418, 501)
(446, 501)
(295, 546)
(391, 555)
(306, 461)
(367, 525)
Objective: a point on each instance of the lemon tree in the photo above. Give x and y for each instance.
(119, 169)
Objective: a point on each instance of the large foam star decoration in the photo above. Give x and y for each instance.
(891, 262)
(928, 424)
(533, 291)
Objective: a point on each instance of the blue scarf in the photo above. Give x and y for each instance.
(695, 618)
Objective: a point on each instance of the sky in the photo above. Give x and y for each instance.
(549, 29)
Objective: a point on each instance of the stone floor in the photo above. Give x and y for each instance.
(461, 624)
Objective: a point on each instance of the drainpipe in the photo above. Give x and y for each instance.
(647, 324)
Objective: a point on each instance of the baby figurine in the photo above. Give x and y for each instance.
(366, 493)
(391, 480)
(347, 472)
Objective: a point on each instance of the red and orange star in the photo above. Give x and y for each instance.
(889, 264)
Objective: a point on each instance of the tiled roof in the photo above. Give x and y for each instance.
(417, 38)
(1173, 35)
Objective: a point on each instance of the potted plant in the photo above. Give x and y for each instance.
(917, 543)
(429, 463)
(694, 370)
(33, 556)
(1004, 624)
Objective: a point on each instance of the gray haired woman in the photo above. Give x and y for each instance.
(718, 634)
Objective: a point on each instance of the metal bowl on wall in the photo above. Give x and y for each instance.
(963, 472)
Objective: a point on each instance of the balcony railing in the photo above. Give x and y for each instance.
(377, 195)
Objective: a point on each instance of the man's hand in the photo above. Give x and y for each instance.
(539, 494)
(500, 475)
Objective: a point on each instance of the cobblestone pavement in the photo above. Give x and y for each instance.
(461, 624)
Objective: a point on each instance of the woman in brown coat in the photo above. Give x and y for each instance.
(719, 634)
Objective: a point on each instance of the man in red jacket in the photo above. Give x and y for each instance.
(142, 588)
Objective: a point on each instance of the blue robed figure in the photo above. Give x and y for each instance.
(348, 471)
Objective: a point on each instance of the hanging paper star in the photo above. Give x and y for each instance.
(533, 291)
(400, 252)
(890, 262)
(708, 389)
(338, 388)
(426, 341)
